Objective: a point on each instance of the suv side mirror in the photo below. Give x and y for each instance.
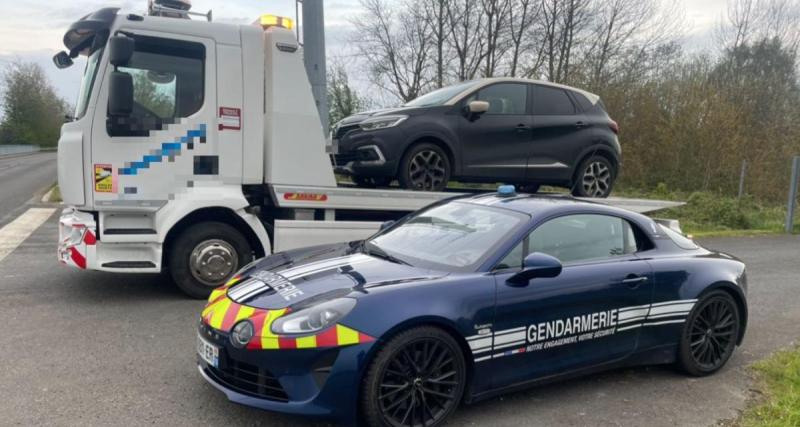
(536, 265)
(120, 94)
(120, 50)
(475, 109)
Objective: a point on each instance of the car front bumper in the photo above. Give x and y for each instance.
(370, 154)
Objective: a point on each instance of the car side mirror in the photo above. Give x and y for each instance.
(475, 108)
(62, 60)
(387, 224)
(536, 265)
(120, 50)
(120, 94)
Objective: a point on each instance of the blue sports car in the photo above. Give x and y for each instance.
(465, 299)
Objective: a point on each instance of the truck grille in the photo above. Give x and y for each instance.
(248, 379)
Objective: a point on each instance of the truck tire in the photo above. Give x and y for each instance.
(205, 255)
(424, 167)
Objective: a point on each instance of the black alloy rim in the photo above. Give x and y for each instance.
(426, 170)
(596, 179)
(713, 333)
(419, 384)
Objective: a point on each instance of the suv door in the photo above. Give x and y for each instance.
(560, 133)
(587, 315)
(495, 145)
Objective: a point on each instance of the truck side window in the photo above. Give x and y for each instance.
(168, 84)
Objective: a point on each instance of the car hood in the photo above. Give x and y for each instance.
(302, 278)
(361, 116)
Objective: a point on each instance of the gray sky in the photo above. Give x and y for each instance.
(32, 30)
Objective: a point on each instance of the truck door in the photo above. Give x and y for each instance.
(165, 145)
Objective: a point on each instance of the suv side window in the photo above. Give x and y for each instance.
(503, 98)
(576, 238)
(551, 101)
(168, 84)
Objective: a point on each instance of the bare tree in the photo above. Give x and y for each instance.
(466, 37)
(748, 21)
(496, 33)
(435, 12)
(521, 15)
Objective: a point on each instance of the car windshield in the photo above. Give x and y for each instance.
(87, 82)
(456, 236)
(440, 96)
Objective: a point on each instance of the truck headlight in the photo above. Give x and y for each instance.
(382, 122)
(315, 318)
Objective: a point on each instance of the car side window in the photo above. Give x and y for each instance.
(576, 238)
(551, 101)
(503, 98)
(168, 84)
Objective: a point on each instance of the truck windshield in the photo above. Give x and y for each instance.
(455, 236)
(87, 83)
(440, 96)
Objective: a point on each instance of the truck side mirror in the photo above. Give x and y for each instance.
(120, 50)
(475, 108)
(62, 60)
(120, 94)
(536, 265)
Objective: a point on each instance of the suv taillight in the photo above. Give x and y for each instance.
(614, 126)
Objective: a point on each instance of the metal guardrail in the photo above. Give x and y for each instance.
(8, 150)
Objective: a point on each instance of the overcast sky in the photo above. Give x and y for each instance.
(32, 30)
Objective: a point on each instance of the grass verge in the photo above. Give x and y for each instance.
(54, 195)
(779, 376)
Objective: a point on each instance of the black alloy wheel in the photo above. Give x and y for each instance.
(710, 334)
(416, 380)
(425, 167)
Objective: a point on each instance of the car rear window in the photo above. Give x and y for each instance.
(583, 101)
(551, 101)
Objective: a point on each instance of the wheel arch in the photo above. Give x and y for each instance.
(438, 141)
(738, 297)
(212, 214)
(599, 149)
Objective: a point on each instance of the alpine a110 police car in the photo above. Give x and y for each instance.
(465, 299)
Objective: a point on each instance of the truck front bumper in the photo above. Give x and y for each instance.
(77, 239)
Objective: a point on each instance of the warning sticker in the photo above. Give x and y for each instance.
(230, 118)
(105, 181)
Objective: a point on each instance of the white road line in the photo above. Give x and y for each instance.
(46, 197)
(15, 232)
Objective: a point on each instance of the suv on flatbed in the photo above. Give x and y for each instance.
(518, 131)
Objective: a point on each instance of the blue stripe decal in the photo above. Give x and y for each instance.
(167, 149)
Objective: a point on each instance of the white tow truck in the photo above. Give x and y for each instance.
(197, 147)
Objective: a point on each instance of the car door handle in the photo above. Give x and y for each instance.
(633, 281)
(580, 124)
(521, 127)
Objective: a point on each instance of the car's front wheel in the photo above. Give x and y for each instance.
(595, 178)
(424, 167)
(417, 378)
(710, 334)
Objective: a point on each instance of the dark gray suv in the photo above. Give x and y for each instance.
(518, 131)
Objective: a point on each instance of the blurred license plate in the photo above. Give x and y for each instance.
(208, 352)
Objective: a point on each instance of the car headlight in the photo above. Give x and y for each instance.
(382, 122)
(315, 318)
(242, 333)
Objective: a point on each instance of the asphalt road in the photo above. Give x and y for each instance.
(101, 349)
(23, 178)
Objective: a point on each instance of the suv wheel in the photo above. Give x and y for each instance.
(595, 178)
(424, 167)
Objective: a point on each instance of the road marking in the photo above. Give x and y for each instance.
(15, 232)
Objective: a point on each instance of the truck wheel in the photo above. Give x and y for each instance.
(417, 378)
(424, 167)
(595, 178)
(205, 255)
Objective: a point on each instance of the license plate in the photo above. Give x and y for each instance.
(208, 352)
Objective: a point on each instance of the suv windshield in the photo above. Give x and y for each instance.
(440, 96)
(87, 82)
(453, 237)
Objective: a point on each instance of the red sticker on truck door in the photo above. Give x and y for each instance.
(230, 118)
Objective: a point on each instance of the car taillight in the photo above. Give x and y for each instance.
(614, 126)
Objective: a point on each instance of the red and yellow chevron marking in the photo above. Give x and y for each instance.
(222, 313)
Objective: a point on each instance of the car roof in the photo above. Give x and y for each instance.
(593, 98)
(545, 205)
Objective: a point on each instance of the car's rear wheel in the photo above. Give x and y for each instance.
(595, 178)
(417, 378)
(425, 167)
(205, 255)
(710, 334)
